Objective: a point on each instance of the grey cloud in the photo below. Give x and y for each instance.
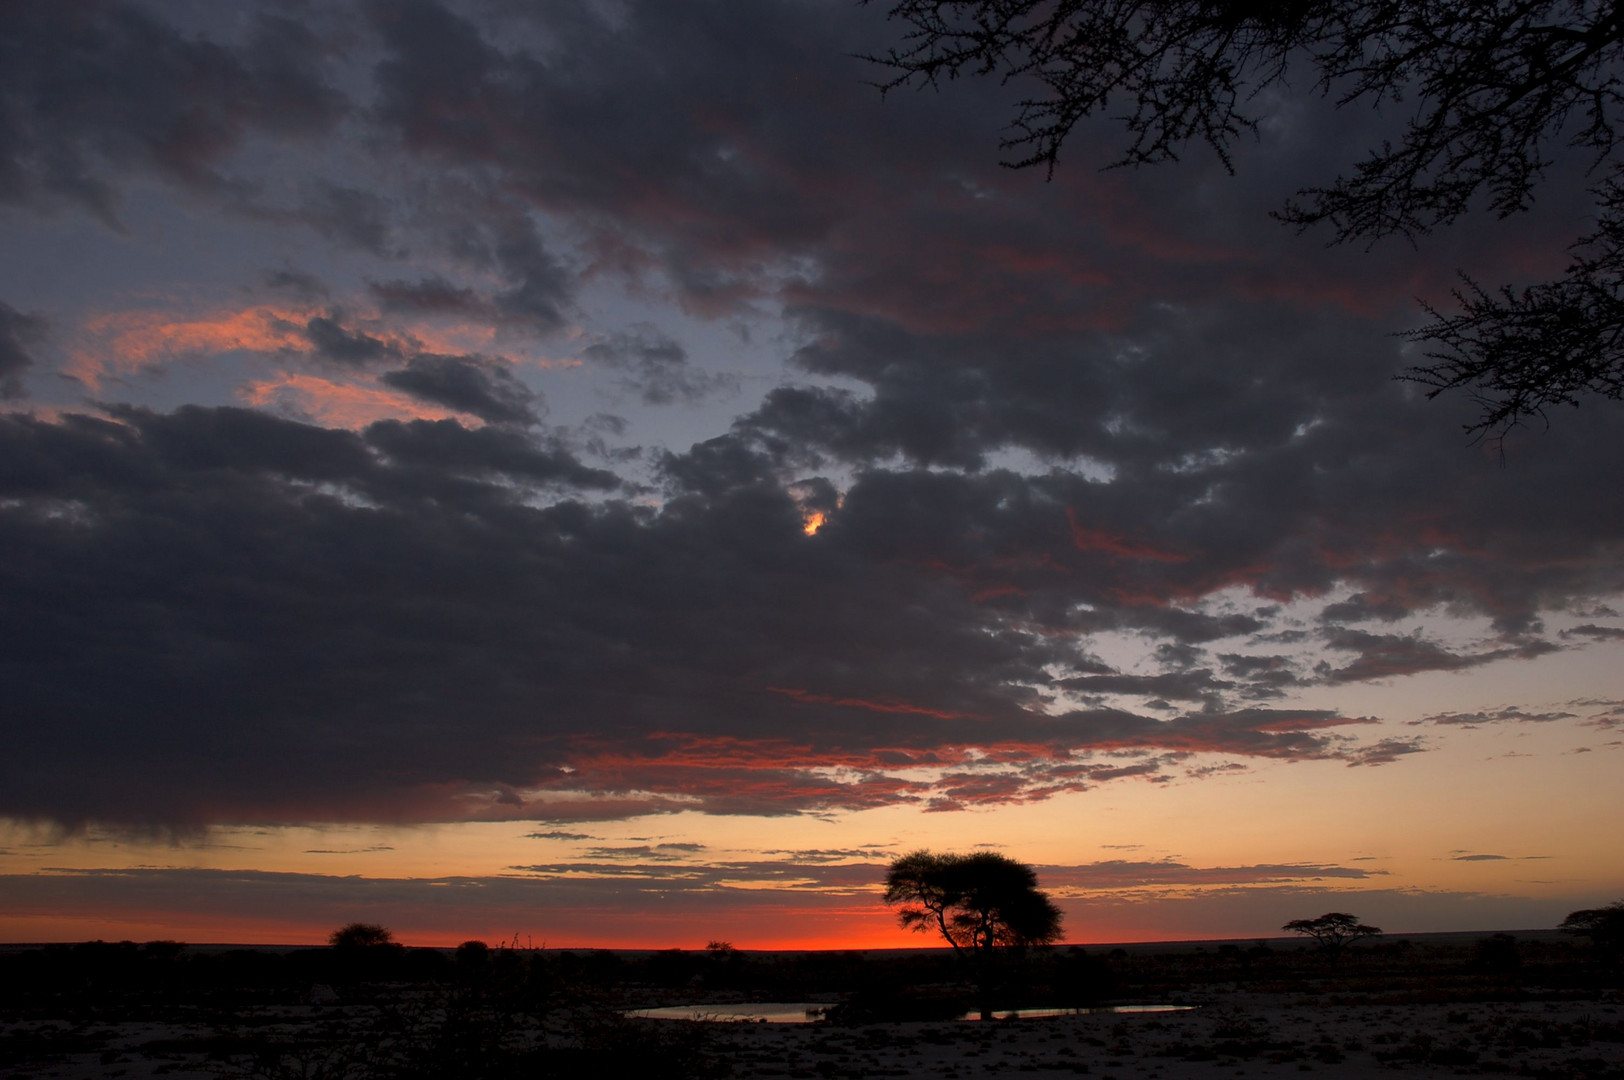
(1385, 751)
(1120, 873)
(335, 342)
(1263, 676)
(556, 834)
(1363, 607)
(1508, 714)
(1596, 611)
(824, 855)
(91, 91)
(1388, 655)
(1597, 633)
(1177, 686)
(18, 333)
(543, 286)
(481, 386)
(349, 216)
(431, 295)
(654, 852)
(298, 284)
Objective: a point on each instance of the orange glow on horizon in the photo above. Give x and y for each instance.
(769, 929)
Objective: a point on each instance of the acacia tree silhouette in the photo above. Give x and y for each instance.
(1494, 86)
(1333, 932)
(979, 903)
(357, 935)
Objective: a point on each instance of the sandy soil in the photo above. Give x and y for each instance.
(1238, 1035)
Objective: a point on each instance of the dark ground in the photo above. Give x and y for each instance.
(1531, 1004)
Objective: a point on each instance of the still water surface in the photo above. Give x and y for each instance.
(806, 1012)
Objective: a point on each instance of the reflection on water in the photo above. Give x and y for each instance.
(770, 1012)
(1018, 1014)
(807, 1012)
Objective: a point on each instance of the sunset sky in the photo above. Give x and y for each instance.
(600, 472)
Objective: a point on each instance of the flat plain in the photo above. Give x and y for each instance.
(1517, 1005)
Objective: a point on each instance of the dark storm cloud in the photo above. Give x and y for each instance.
(220, 615)
(18, 333)
(432, 449)
(477, 385)
(90, 91)
(278, 621)
(631, 118)
(1226, 471)
(1273, 410)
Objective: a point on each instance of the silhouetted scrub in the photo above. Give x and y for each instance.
(1603, 926)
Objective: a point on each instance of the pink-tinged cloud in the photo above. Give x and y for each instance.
(351, 405)
(1099, 540)
(670, 772)
(860, 703)
(127, 341)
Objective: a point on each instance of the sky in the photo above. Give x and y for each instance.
(601, 474)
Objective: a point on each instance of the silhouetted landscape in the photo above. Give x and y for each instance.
(933, 495)
(1528, 1003)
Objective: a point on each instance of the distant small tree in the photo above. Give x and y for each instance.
(1333, 932)
(358, 935)
(1604, 926)
(721, 950)
(978, 903)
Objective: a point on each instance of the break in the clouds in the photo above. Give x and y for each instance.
(939, 487)
(655, 367)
